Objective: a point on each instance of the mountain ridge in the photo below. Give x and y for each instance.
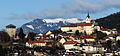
(44, 25)
(111, 21)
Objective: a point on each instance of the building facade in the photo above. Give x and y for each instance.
(85, 27)
(11, 30)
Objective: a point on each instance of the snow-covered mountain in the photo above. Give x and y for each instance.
(44, 25)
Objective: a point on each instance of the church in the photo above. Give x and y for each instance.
(87, 27)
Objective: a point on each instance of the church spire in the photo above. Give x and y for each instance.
(88, 20)
(88, 16)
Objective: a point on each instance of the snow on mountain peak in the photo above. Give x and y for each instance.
(71, 20)
(30, 26)
(44, 25)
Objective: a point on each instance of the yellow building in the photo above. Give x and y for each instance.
(48, 33)
(70, 45)
(96, 54)
(35, 43)
(62, 40)
(117, 38)
(66, 28)
(89, 38)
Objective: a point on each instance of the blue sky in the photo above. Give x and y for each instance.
(18, 12)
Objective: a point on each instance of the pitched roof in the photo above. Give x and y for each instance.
(31, 42)
(71, 42)
(104, 29)
(65, 34)
(76, 36)
(84, 24)
(69, 26)
(88, 37)
(106, 38)
(44, 39)
(10, 26)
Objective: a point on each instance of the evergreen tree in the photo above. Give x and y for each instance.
(77, 32)
(31, 36)
(118, 43)
(21, 34)
(4, 37)
(99, 34)
(56, 31)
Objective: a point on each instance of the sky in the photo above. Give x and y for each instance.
(19, 12)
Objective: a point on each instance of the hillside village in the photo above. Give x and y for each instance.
(80, 39)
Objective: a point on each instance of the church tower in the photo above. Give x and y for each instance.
(11, 30)
(88, 20)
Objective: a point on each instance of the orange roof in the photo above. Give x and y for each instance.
(84, 24)
(88, 37)
(71, 42)
(69, 26)
(31, 42)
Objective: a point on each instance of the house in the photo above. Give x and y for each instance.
(45, 39)
(70, 45)
(108, 38)
(114, 31)
(75, 38)
(65, 35)
(38, 53)
(48, 33)
(67, 28)
(96, 54)
(108, 31)
(92, 49)
(89, 38)
(35, 43)
(117, 38)
(39, 35)
(105, 30)
(85, 28)
(108, 54)
(62, 40)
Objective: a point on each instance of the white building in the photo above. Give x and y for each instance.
(35, 43)
(93, 49)
(70, 45)
(87, 27)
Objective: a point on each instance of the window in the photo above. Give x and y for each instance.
(97, 55)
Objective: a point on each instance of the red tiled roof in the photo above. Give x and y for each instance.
(88, 37)
(69, 26)
(76, 36)
(106, 38)
(84, 24)
(104, 29)
(31, 42)
(71, 42)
